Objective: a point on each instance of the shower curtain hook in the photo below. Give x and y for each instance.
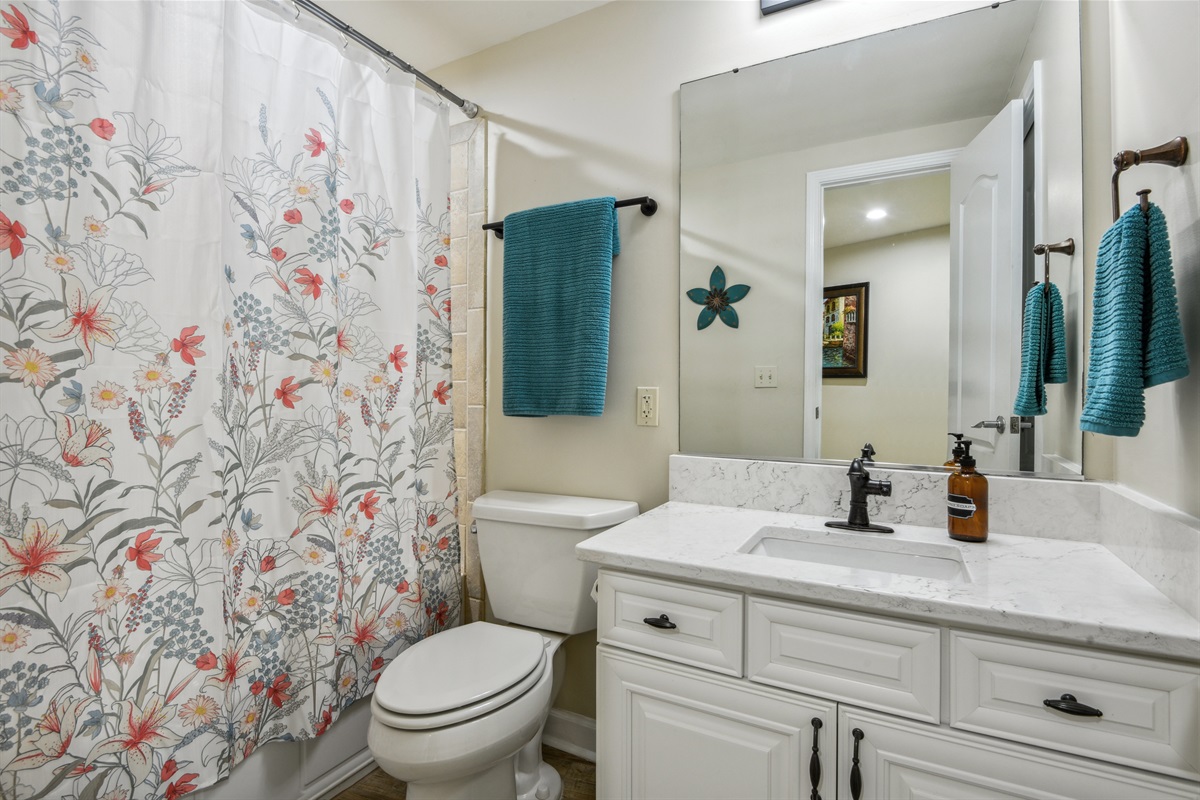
(296, 8)
(345, 41)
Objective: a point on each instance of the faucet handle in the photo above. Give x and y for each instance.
(867, 452)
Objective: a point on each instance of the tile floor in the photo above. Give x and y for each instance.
(579, 780)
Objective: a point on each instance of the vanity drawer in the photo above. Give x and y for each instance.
(1150, 709)
(890, 665)
(707, 622)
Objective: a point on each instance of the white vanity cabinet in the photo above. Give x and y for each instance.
(758, 697)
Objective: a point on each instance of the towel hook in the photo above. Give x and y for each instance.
(1173, 153)
(1066, 247)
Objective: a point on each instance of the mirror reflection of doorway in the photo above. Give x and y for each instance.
(895, 235)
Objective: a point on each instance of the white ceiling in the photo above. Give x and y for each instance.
(431, 33)
(955, 68)
(912, 204)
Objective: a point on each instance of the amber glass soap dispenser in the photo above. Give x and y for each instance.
(957, 453)
(967, 501)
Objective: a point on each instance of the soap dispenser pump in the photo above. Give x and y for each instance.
(967, 501)
(957, 453)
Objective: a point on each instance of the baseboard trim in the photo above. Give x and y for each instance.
(572, 733)
(336, 780)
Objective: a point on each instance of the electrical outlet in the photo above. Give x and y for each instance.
(647, 406)
(765, 378)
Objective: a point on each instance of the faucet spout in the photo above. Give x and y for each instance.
(861, 487)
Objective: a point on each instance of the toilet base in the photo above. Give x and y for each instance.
(548, 786)
(535, 779)
(499, 780)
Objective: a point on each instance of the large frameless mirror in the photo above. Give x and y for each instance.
(881, 199)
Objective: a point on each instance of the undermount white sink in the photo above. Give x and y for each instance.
(859, 552)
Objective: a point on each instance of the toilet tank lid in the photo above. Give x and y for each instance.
(553, 510)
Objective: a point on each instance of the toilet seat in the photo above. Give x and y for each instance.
(459, 674)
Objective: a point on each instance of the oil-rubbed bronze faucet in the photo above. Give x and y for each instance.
(861, 486)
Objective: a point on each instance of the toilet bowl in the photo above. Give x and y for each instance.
(461, 714)
(469, 750)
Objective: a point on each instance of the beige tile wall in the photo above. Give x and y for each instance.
(468, 275)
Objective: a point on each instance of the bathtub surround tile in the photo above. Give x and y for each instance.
(458, 214)
(460, 132)
(476, 382)
(458, 260)
(468, 270)
(476, 325)
(460, 456)
(477, 165)
(458, 308)
(475, 437)
(458, 401)
(458, 357)
(458, 167)
(476, 260)
(471, 570)
(1159, 544)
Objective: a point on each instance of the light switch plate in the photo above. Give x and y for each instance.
(765, 378)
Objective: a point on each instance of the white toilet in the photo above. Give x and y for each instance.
(460, 714)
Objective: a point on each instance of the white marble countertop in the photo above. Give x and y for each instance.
(1065, 590)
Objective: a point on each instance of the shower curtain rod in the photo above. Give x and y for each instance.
(468, 108)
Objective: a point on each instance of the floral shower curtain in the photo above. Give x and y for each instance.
(226, 485)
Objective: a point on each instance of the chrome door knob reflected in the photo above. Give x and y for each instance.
(998, 424)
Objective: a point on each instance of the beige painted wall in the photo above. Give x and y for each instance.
(1155, 82)
(900, 407)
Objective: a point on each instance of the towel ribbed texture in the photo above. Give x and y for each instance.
(1043, 350)
(557, 293)
(1137, 339)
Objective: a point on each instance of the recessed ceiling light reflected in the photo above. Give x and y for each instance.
(876, 213)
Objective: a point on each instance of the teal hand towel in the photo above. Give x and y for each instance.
(1043, 349)
(557, 293)
(1137, 339)
(1166, 352)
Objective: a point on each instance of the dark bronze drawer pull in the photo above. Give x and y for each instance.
(855, 771)
(1069, 705)
(661, 621)
(814, 762)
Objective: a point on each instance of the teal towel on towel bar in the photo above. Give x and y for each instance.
(557, 293)
(1137, 339)
(1043, 349)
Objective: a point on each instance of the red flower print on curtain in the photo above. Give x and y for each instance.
(226, 489)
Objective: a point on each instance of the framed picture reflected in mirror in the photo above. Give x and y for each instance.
(844, 331)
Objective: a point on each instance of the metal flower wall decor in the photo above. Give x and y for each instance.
(717, 300)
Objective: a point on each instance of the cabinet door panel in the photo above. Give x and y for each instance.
(903, 759)
(667, 731)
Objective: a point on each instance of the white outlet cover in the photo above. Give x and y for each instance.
(646, 408)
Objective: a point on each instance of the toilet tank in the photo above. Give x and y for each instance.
(527, 553)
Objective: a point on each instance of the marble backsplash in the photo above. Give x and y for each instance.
(1158, 543)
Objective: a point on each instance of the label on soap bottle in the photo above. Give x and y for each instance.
(960, 506)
